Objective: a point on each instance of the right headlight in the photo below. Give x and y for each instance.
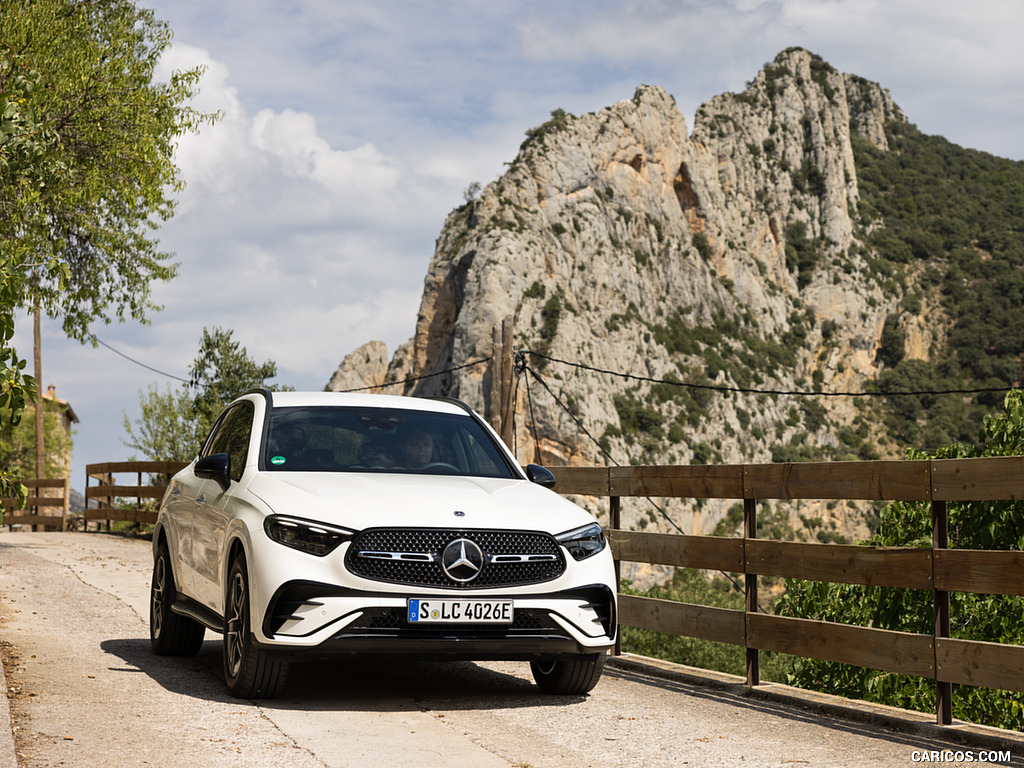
(583, 542)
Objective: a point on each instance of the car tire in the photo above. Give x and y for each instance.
(568, 677)
(170, 634)
(250, 672)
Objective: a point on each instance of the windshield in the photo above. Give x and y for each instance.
(353, 439)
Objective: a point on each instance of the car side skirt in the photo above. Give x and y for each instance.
(185, 606)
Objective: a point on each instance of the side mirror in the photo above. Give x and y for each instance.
(216, 466)
(535, 473)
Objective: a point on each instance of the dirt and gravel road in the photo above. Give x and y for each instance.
(86, 691)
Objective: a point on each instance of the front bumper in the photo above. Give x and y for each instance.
(324, 618)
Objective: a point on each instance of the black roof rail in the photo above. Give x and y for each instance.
(453, 401)
(267, 395)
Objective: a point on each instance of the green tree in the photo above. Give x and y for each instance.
(24, 164)
(221, 371)
(97, 172)
(994, 618)
(86, 169)
(17, 444)
(167, 429)
(173, 424)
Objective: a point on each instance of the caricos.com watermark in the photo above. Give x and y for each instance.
(959, 756)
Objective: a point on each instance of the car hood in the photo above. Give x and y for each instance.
(365, 500)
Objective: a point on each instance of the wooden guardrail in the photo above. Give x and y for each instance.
(32, 511)
(936, 656)
(107, 495)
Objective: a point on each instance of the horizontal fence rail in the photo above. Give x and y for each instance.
(107, 500)
(32, 512)
(945, 660)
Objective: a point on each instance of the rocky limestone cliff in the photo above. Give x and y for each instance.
(726, 258)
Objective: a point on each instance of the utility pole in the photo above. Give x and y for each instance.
(507, 372)
(501, 389)
(40, 434)
(40, 446)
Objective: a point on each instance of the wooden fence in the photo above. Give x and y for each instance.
(32, 513)
(109, 497)
(936, 656)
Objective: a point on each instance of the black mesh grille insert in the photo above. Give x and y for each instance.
(413, 556)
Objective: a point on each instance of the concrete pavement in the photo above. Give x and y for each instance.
(87, 691)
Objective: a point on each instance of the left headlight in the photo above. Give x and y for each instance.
(305, 535)
(582, 542)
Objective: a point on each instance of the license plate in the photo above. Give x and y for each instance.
(459, 611)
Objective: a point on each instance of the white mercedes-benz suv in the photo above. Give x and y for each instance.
(371, 524)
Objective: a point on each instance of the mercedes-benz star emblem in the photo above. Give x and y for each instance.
(462, 560)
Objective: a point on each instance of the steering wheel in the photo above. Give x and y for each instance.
(441, 465)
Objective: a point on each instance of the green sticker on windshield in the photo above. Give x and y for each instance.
(277, 460)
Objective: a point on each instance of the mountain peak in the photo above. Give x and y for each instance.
(705, 268)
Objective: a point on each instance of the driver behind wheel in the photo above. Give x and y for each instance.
(416, 449)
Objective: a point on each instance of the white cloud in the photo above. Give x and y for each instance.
(352, 175)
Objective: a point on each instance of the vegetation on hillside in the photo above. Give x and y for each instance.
(995, 525)
(692, 586)
(945, 226)
(941, 227)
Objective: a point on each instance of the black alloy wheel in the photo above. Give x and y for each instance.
(170, 634)
(250, 672)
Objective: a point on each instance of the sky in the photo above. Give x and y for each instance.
(349, 130)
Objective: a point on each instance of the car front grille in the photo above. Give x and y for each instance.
(417, 557)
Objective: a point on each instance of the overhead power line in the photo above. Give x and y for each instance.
(412, 379)
(100, 341)
(755, 391)
(408, 380)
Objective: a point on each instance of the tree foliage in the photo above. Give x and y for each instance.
(173, 424)
(166, 429)
(993, 618)
(86, 169)
(944, 222)
(95, 158)
(18, 446)
(23, 163)
(223, 370)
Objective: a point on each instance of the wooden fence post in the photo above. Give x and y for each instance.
(500, 392)
(940, 540)
(65, 511)
(750, 587)
(494, 369)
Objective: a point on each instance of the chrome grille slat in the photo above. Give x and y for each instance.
(412, 556)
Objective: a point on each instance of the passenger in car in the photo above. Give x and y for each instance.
(287, 441)
(290, 449)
